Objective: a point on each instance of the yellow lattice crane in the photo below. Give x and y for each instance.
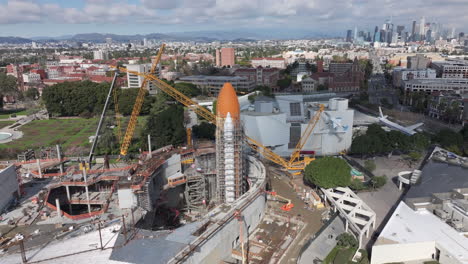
(293, 164)
(127, 139)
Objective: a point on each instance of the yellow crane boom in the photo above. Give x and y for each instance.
(138, 104)
(292, 164)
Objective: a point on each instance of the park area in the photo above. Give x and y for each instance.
(71, 134)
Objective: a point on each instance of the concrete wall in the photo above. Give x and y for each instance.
(410, 252)
(9, 187)
(219, 246)
(402, 252)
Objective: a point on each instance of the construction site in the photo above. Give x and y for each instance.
(231, 200)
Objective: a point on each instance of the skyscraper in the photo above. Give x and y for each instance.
(413, 31)
(231, 182)
(349, 35)
(422, 27)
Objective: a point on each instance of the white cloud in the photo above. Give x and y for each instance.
(314, 14)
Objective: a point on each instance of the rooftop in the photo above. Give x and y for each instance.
(438, 177)
(408, 226)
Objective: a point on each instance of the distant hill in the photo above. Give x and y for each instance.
(14, 40)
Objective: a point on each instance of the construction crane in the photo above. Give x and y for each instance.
(127, 139)
(293, 164)
(288, 206)
(101, 120)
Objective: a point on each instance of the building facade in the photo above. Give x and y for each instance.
(135, 81)
(100, 55)
(261, 76)
(401, 74)
(309, 85)
(347, 77)
(225, 57)
(451, 69)
(268, 63)
(417, 62)
(213, 84)
(9, 187)
(458, 86)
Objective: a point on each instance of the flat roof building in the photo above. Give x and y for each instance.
(213, 84)
(459, 86)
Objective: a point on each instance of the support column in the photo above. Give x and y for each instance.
(373, 223)
(69, 198)
(367, 232)
(400, 185)
(86, 187)
(360, 239)
(149, 146)
(57, 204)
(39, 167)
(346, 226)
(59, 155)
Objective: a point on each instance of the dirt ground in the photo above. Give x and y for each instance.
(311, 218)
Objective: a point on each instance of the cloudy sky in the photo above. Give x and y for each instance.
(29, 18)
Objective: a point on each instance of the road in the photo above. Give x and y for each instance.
(378, 88)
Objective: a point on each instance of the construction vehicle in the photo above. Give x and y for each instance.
(288, 206)
(294, 165)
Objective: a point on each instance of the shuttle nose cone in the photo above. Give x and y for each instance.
(227, 102)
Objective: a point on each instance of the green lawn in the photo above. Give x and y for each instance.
(71, 134)
(340, 255)
(5, 123)
(66, 132)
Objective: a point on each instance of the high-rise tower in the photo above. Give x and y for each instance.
(229, 140)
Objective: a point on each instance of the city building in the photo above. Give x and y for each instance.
(9, 187)
(451, 69)
(229, 141)
(401, 74)
(135, 81)
(225, 57)
(446, 106)
(268, 63)
(213, 84)
(31, 77)
(261, 76)
(279, 123)
(417, 62)
(347, 76)
(308, 85)
(459, 86)
(100, 55)
(349, 35)
(432, 222)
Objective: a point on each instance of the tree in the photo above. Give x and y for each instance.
(188, 89)
(284, 83)
(328, 172)
(204, 130)
(8, 86)
(450, 140)
(347, 240)
(75, 98)
(127, 98)
(378, 181)
(32, 94)
(215, 104)
(166, 127)
(370, 165)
